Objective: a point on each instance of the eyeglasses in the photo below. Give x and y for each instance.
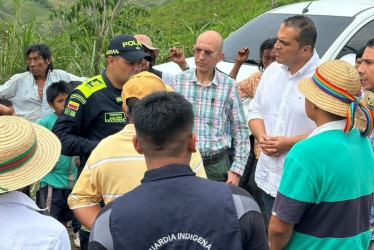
(206, 53)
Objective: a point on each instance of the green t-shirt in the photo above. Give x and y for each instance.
(326, 190)
(64, 175)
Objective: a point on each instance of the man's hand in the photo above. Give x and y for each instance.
(242, 55)
(281, 144)
(275, 145)
(177, 56)
(267, 145)
(232, 178)
(4, 110)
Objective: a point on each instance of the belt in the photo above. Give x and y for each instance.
(214, 158)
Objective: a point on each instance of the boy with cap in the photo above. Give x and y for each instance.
(94, 108)
(115, 167)
(28, 152)
(326, 189)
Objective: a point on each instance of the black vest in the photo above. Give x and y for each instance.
(173, 209)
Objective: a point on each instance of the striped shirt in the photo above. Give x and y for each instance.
(219, 115)
(113, 169)
(328, 196)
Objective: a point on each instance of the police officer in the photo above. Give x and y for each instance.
(94, 109)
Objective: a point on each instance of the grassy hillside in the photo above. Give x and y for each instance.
(75, 47)
(30, 9)
(39, 8)
(180, 21)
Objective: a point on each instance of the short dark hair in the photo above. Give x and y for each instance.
(6, 102)
(56, 88)
(43, 51)
(163, 123)
(308, 31)
(130, 102)
(360, 52)
(267, 44)
(370, 43)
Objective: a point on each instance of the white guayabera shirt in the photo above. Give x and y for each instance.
(282, 107)
(22, 90)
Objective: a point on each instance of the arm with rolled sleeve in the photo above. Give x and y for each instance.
(85, 197)
(240, 132)
(9, 88)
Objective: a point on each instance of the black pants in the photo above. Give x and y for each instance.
(56, 200)
(247, 181)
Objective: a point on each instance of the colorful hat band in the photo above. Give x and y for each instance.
(19, 160)
(344, 96)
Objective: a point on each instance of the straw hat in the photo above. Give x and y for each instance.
(140, 85)
(147, 42)
(340, 74)
(28, 152)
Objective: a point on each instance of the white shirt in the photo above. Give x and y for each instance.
(22, 90)
(282, 107)
(22, 227)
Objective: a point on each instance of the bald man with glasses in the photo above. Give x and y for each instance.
(218, 111)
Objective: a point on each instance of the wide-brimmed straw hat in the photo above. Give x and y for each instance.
(147, 42)
(28, 152)
(335, 87)
(337, 72)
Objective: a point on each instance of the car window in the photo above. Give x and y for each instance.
(266, 26)
(359, 40)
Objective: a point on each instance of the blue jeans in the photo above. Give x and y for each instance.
(268, 202)
(75, 224)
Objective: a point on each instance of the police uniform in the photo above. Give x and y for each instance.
(92, 112)
(174, 209)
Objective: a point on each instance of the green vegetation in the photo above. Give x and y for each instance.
(78, 31)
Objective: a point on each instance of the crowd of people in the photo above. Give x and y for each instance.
(136, 158)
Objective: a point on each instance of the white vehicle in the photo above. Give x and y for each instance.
(343, 27)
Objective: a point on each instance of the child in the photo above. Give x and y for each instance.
(325, 194)
(56, 186)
